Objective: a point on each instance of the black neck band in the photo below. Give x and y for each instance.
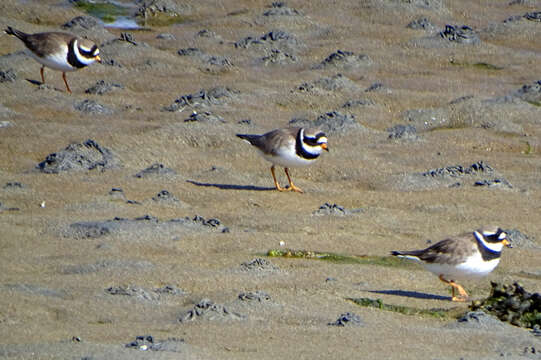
(301, 151)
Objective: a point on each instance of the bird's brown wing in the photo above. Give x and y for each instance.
(449, 251)
(42, 44)
(275, 139)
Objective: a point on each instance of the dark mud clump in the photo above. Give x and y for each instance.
(513, 304)
(521, 240)
(404, 132)
(170, 290)
(334, 209)
(421, 24)
(102, 87)
(272, 38)
(328, 84)
(255, 296)
(7, 208)
(531, 93)
(460, 34)
(214, 60)
(85, 22)
(208, 310)
(478, 174)
(10, 185)
(279, 8)
(162, 12)
(493, 183)
(259, 265)
(478, 320)
(277, 56)
(147, 342)
(459, 170)
(7, 76)
(88, 155)
(133, 291)
(357, 103)
(331, 209)
(165, 196)
(143, 224)
(156, 169)
(92, 107)
(142, 294)
(205, 117)
(331, 123)
(344, 59)
(347, 319)
(214, 96)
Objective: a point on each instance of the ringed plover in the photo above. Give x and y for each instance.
(289, 147)
(469, 255)
(58, 51)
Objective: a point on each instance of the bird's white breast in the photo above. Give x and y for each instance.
(56, 61)
(287, 157)
(474, 266)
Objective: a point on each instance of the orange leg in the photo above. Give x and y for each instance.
(462, 294)
(42, 77)
(66, 82)
(291, 185)
(278, 187)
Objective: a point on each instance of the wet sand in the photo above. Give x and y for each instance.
(85, 269)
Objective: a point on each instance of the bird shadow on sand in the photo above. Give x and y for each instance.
(34, 82)
(411, 294)
(42, 85)
(231, 186)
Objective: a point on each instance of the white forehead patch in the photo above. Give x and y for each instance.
(322, 140)
(502, 236)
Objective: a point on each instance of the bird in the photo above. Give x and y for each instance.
(468, 255)
(58, 51)
(289, 147)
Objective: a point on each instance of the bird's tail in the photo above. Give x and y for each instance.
(252, 139)
(11, 31)
(406, 255)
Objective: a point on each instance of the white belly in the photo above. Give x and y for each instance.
(288, 158)
(56, 61)
(473, 267)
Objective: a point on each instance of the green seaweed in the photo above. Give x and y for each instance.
(534, 103)
(529, 149)
(105, 11)
(343, 259)
(407, 310)
(477, 65)
(486, 66)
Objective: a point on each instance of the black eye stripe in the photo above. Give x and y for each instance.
(89, 54)
(494, 238)
(313, 140)
(309, 141)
